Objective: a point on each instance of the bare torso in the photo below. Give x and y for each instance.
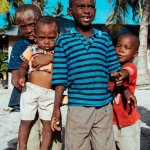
(41, 78)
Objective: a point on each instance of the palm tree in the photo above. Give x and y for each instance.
(143, 72)
(119, 13)
(5, 9)
(118, 16)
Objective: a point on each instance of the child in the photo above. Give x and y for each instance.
(37, 94)
(84, 59)
(126, 118)
(26, 17)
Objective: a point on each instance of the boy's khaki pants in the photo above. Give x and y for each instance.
(89, 128)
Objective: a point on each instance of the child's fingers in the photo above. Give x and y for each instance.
(119, 83)
(132, 102)
(55, 124)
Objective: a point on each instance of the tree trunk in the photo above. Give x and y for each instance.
(143, 76)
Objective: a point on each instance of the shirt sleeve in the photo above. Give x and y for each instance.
(60, 69)
(112, 58)
(15, 60)
(26, 55)
(132, 74)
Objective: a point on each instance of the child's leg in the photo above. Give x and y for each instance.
(34, 136)
(128, 138)
(24, 130)
(46, 134)
(101, 134)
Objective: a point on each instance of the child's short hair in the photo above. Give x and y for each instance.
(71, 1)
(134, 38)
(26, 7)
(48, 20)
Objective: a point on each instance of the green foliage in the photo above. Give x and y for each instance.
(4, 6)
(3, 57)
(5, 9)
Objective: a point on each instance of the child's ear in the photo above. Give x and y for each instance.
(135, 55)
(69, 11)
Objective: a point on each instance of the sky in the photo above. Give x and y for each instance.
(103, 9)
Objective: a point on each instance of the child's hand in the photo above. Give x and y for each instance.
(21, 82)
(40, 60)
(55, 121)
(120, 76)
(130, 99)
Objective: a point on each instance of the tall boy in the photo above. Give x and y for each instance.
(126, 117)
(84, 59)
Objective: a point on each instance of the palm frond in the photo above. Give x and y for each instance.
(4, 6)
(57, 11)
(120, 11)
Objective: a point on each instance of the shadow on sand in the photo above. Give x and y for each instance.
(12, 144)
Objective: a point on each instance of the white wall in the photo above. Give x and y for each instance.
(12, 40)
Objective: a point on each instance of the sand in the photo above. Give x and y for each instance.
(9, 121)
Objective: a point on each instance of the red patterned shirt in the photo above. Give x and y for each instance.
(122, 115)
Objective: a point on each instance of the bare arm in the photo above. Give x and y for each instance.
(56, 117)
(40, 60)
(22, 75)
(14, 79)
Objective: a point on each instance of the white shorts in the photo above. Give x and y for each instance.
(35, 98)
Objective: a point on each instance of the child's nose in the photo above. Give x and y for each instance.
(29, 29)
(47, 40)
(86, 10)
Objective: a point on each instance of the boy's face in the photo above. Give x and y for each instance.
(26, 23)
(125, 49)
(46, 35)
(83, 11)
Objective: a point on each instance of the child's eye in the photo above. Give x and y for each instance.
(52, 38)
(49, 38)
(127, 48)
(22, 27)
(41, 38)
(91, 6)
(81, 6)
(117, 46)
(31, 24)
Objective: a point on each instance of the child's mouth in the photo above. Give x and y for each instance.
(86, 19)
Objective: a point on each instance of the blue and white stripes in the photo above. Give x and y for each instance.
(84, 66)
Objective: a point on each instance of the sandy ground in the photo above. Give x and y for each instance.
(9, 121)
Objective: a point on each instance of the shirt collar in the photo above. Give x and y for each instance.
(96, 32)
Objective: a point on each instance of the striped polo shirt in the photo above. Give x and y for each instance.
(84, 66)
